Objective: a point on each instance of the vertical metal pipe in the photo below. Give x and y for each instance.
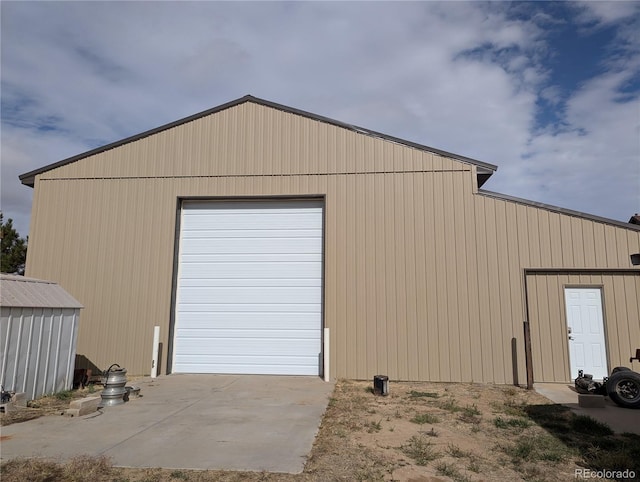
(527, 350)
(326, 356)
(154, 357)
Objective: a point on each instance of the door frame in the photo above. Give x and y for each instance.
(180, 200)
(600, 288)
(530, 340)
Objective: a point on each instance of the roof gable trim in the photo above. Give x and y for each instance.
(28, 178)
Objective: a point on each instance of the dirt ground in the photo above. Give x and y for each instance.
(49, 405)
(419, 432)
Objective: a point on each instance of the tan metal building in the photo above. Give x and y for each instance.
(245, 230)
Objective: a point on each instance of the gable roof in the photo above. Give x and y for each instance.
(18, 291)
(484, 169)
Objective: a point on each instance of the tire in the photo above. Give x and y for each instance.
(620, 369)
(623, 387)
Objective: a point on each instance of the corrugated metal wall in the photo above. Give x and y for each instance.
(38, 349)
(423, 277)
(621, 306)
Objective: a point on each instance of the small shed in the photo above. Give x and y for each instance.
(38, 332)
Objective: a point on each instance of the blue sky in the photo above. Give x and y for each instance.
(548, 91)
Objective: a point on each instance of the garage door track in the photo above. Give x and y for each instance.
(226, 422)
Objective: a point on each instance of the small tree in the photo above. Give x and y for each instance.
(14, 248)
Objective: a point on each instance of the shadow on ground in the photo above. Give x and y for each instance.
(592, 441)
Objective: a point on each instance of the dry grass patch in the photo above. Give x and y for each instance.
(52, 404)
(420, 449)
(78, 469)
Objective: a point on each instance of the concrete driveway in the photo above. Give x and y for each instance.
(619, 419)
(244, 422)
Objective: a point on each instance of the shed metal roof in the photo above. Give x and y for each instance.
(20, 292)
(484, 169)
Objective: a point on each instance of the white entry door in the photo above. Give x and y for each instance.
(585, 330)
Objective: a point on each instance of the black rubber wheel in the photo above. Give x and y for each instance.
(623, 387)
(620, 369)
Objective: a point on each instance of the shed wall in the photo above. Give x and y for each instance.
(38, 349)
(423, 276)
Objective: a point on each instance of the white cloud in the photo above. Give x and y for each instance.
(604, 13)
(458, 76)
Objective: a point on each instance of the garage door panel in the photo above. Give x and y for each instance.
(252, 221)
(251, 320)
(250, 246)
(248, 333)
(252, 283)
(237, 365)
(251, 258)
(235, 346)
(249, 296)
(248, 224)
(252, 233)
(249, 308)
(200, 359)
(255, 270)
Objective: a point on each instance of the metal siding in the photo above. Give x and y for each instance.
(440, 320)
(411, 304)
(449, 280)
(493, 299)
(555, 239)
(621, 302)
(544, 226)
(516, 288)
(399, 328)
(368, 258)
(352, 240)
(38, 347)
(557, 331)
(249, 140)
(339, 338)
(484, 315)
(473, 257)
(358, 283)
(390, 283)
(111, 218)
(379, 266)
(616, 311)
(421, 339)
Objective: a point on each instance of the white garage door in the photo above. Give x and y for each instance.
(249, 296)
